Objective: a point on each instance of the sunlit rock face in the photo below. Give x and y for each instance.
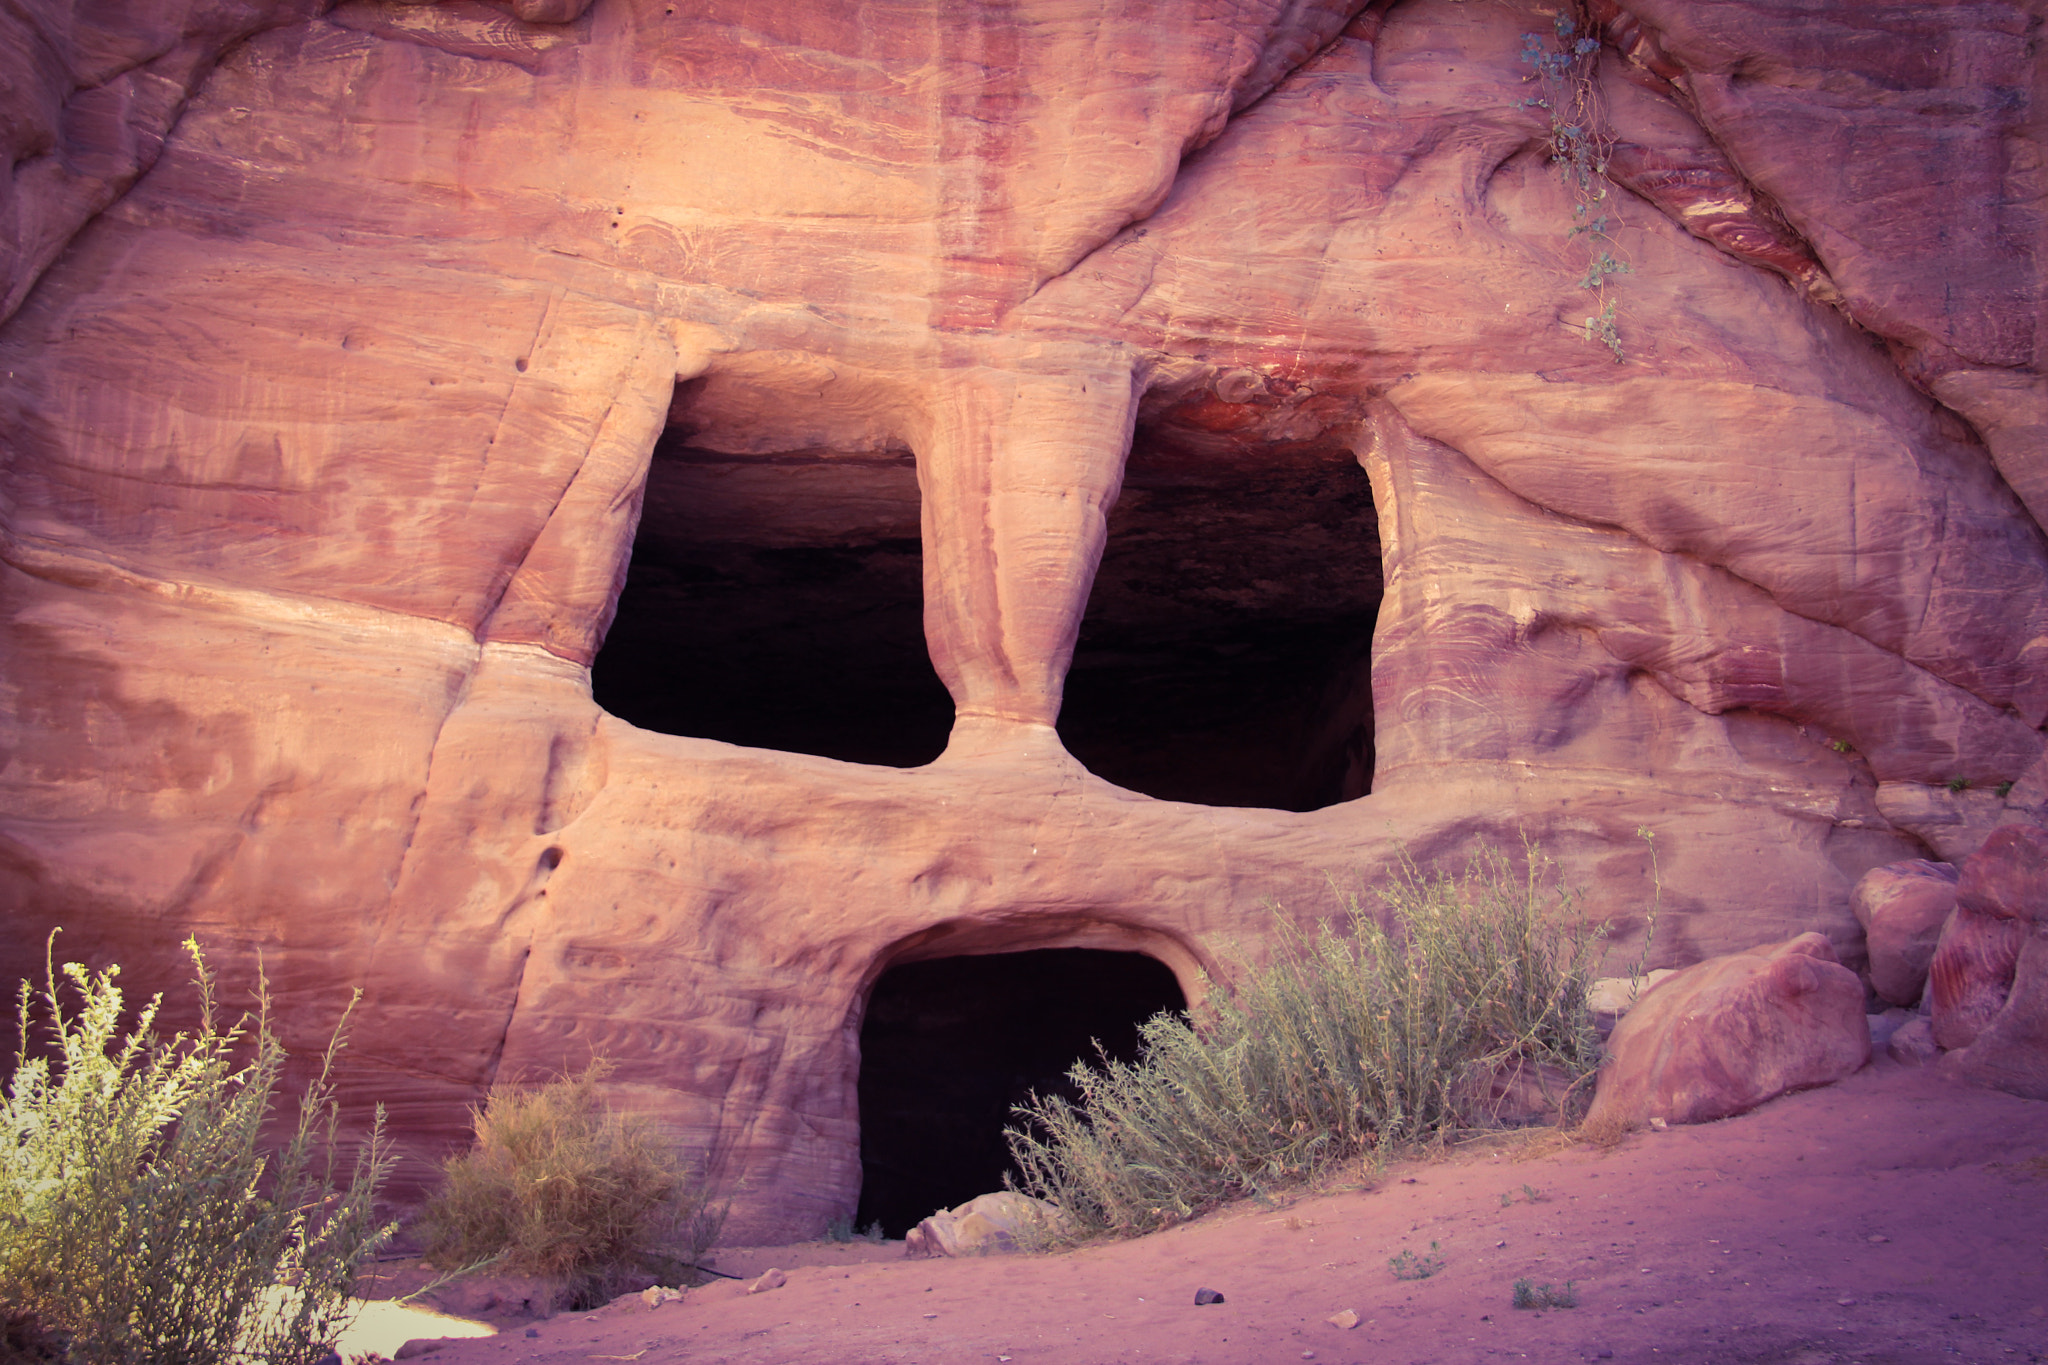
(893, 372)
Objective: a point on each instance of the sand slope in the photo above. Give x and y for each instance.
(1897, 1217)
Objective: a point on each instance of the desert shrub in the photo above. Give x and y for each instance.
(1351, 1038)
(142, 1218)
(841, 1229)
(559, 1185)
(1531, 1295)
(1409, 1266)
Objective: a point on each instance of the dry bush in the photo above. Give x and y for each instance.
(142, 1218)
(560, 1186)
(1351, 1039)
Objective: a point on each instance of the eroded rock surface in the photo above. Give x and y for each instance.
(331, 439)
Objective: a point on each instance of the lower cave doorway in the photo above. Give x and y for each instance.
(949, 1045)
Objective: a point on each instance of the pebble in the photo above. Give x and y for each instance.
(1207, 1296)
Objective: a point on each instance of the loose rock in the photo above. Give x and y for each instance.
(1913, 1042)
(1997, 1003)
(1617, 995)
(987, 1224)
(1902, 907)
(1726, 1035)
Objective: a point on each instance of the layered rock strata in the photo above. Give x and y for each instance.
(328, 439)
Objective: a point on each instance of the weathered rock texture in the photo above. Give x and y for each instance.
(1723, 1036)
(1902, 908)
(329, 438)
(986, 1225)
(1990, 972)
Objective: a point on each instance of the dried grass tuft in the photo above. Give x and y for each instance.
(1364, 1035)
(560, 1186)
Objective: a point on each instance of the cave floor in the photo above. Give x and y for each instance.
(1900, 1216)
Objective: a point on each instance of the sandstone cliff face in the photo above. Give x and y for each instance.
(328, 442)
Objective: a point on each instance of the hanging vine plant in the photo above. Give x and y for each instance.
(1565, 72)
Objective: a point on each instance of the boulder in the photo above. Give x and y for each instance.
(1972, 974)
(1902, 907)
(985, 1225)
(1887, 1023)
(1912, 1043)
(2004, 896)
(2008, 876)
(2012, 1051)
(1723, 1036)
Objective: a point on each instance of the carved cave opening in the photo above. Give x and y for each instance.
(948, 1045)
(776, 601)
(1225, 658)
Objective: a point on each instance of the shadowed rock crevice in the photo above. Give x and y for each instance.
(949, 1045)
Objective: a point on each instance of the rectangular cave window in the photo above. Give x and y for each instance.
(1225, 657)
(776, 601)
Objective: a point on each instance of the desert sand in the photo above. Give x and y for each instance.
(1899, 1217)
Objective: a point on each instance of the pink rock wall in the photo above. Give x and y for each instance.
(326, 444)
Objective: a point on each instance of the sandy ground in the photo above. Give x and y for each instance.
(1897, 1217)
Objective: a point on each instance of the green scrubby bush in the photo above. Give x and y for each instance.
(560, 1186)
(1352, 1038)
(1409, 1266)
(142, 1219)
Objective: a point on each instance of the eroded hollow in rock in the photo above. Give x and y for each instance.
(777, 601)
(949, 1045)
(1225, 658)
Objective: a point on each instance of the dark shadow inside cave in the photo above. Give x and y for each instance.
(1225, 658)
(949, 1045)
(777, 601)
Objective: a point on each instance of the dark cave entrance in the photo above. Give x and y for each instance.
(777, 601)
(949, 1045)
(1225, 658)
